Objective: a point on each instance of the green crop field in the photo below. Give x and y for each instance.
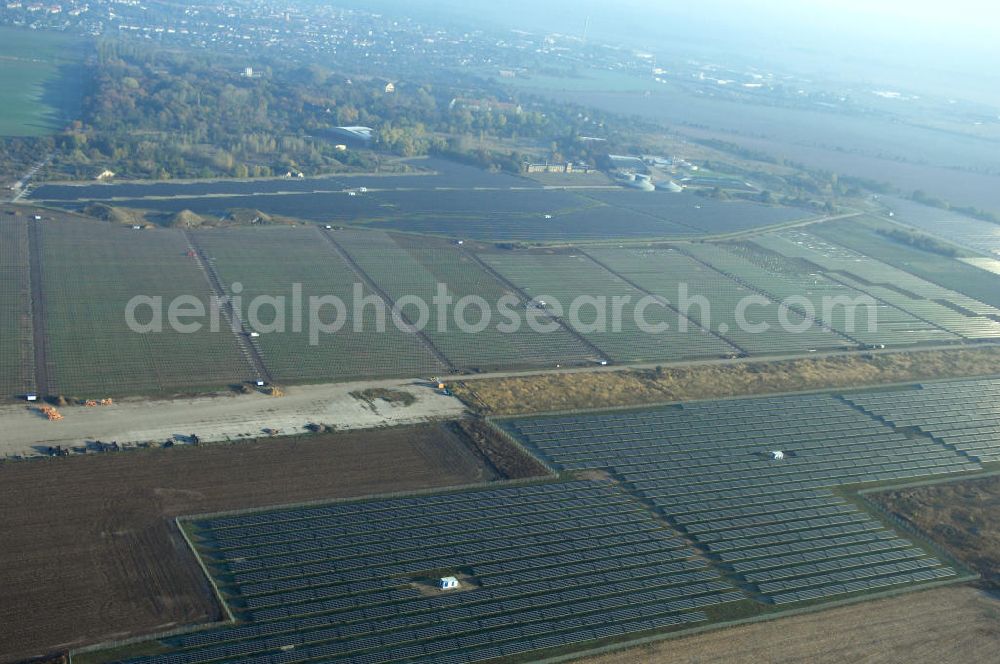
(268, 262)
(90, 273)
(409, 266)
(15, 309)
(36, 75)
(564, 277)
(664, 271)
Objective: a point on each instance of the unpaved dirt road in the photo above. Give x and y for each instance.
(221, 417)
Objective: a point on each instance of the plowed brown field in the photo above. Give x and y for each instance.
(91, 552)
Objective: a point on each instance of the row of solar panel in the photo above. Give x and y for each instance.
(843, 576)
(761, 556)
(456, 532)
(813, 555)
(813, 468)
(767, 518)
(832, 564)
(388, 650)
(423, 558)
(863, 585)
(515, 493)
(515, 582)
(338, 604)
(652, 558)
(718, 426)
(335, 583)
(676, 504)
(561, 641)
(774, 507)
(758, 462)
(402, 630)
(820, 479)
(527, 512)
(723, 451)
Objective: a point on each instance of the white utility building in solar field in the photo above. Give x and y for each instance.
(448, 583)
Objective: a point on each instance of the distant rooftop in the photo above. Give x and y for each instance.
(360, 133)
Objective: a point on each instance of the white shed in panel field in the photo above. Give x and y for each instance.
(448, 583)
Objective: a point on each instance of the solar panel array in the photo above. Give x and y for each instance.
(939, 307)
(668, 273)
(775, 276)
(773, 524)
(963, 415)
(540, 566)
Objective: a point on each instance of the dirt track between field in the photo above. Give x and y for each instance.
(221, 417)
(90, 551)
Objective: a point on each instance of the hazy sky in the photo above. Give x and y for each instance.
(935, 41)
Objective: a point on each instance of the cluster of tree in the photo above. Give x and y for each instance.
(151, 113)
(919, 241)
(18, 154)
(969, 211)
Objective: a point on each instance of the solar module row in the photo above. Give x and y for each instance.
(525, 513)
(428, 504)
(464, 555)
(842, 576)
(833, 565)
(863, 585)
(813, 555)
(764, 555)
(531, 524)
(570, 530)
(654, 558)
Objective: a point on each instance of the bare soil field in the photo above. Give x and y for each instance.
(951, 625)
(515, 395)
(91, 552)
(221, 417)
(963, 517)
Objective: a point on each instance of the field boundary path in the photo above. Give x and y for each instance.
(38, 338)
(370, 283)
(664, 301)
(524, 296)
(248, 349)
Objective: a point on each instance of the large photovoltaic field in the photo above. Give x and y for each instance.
(452, 201)
(805, 290)
(665, 271)
(268, 262)
(565, 277)
(975, 234)
(540, 567)
(90, 272)
(774, 526)
(405, 266)
(16, 350)
(699, 215)
(943, 308)
(718, 299)
(962, 416)
(685, 518)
